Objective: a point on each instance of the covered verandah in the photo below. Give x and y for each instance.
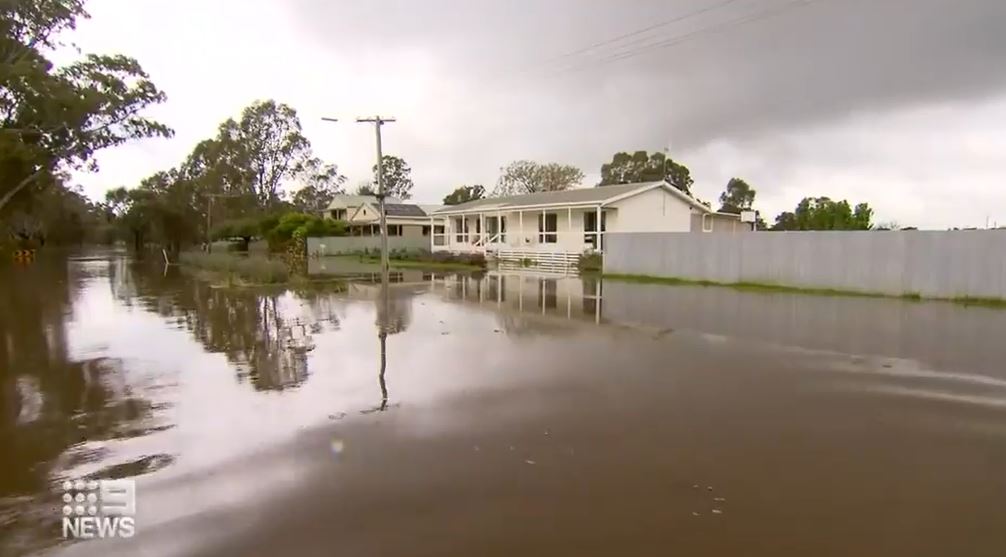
(566, 229)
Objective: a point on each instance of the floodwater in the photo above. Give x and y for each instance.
(498, 414)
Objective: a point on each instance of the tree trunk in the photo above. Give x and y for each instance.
(20, 186)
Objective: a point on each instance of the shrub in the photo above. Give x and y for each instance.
(317, 227)
(300, 224)
(425, 256)
(477, 259)
(590, 261)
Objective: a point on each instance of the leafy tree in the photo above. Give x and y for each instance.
(244, 228)
(643, 167)
(322, 184)
(397, 177)
(464, 194)
(133, 211)
(266, 148)
(292, 225)
(58, 215)
(524, 176)
(165, 208)
(253, 158)
(366, 188)
(318, 227)
(54, 119)
(739, 196)
(821, 213)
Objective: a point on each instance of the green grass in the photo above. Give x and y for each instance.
(778, 288)
(590, 263)
(411, 264)
(974, 301)
(246, 269)
(424, 259)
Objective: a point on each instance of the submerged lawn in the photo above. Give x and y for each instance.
(767, 287)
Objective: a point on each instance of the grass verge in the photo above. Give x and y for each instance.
(778, 288)
(239, 269)
(412, 264)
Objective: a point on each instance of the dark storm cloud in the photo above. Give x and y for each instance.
(802, 65)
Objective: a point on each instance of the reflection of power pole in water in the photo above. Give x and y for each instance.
(383, 324)
(384, 364)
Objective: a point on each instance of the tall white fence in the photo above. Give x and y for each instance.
(946, 264)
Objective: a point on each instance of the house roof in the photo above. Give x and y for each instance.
(579, 196)
(403, 210)
(430, 209)
(343, 201)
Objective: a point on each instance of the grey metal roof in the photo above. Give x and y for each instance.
(343, 201)
(579, 195)
(403, 210)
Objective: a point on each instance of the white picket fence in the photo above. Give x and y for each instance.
(558, 261)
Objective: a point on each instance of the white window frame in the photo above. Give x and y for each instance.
(706, 217)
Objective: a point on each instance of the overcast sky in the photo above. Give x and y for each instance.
(898, 103)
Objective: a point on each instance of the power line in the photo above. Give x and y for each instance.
(673, 41)
(646, 29)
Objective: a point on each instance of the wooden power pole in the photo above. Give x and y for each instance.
(378, 122)
(209, 215)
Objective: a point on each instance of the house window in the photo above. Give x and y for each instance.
(338, 214)
(707, 222)
(548, 228)
(590, 232)
(439, 235)
(394, 230)
(461, 230)
(426, 230)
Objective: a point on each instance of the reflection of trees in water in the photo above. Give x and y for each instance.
(51, 405)
(265, 334)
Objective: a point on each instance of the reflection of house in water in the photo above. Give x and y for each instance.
(395, 316)
(529, 293)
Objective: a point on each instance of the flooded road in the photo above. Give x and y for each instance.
(498, 414)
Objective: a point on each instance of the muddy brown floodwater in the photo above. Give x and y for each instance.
(497, 414)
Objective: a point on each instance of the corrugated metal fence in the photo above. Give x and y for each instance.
(939, 264)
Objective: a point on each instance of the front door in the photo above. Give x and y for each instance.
(494, 226)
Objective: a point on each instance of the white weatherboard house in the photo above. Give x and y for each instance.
(363, 217)
(567, 223)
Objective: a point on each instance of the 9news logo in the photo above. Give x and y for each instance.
(99, 509)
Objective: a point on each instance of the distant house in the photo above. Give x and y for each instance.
(575, 220)
(343, 206)
(362, 214)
